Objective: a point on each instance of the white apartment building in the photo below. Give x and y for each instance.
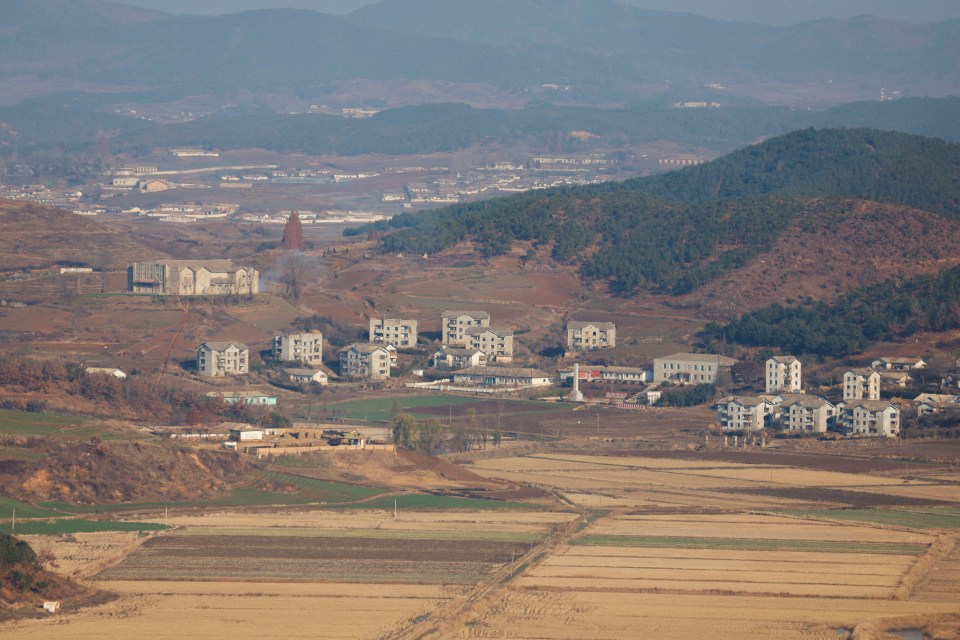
(305, 348)
(743, 413)
(861, 384)
(369, 361)
(584, 336)
(813, 415)
(496, 342)
(689, 368)
(784, 374)
(454, 325)
(219, 359)
(868, 418)
(399, 332)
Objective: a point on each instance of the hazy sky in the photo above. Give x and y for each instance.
(779, 12)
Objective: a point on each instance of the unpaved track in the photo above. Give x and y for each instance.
(447, 622)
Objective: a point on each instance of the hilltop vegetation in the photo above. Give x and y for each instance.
(679, 230)
(886, 311)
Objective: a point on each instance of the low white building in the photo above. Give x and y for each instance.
(306, 376)
(898, 364)
(502, 377)
(690, 368)
(453, 358)
(106, 371)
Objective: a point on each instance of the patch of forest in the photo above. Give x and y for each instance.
(886, 311)
(680, 230)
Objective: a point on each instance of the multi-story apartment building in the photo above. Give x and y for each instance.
(690, 368)
(454, 325)
(784, 374)
(871, 418)
(496, 342)
(369, 361)
(305, 348)
(861, 384)
(811, 414)
(585, 336)
(219, 359)
(743, 413)
(192, 278)
(396, 331)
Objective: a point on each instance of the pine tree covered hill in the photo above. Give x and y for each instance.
(677, 231)
(886, 311)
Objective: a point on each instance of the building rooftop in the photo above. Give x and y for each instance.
(500, 332)
(479, 315)
(701, 357)
(583, 324)
(223, 346)
(503, 372)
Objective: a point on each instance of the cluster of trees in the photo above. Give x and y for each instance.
(431, 436)
(884, 311)
(688, 396)
(134, 396)
(18, 564)
(679, 230)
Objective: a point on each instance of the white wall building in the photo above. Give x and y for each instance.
(861, 384)
(305, 348)
(454, 325)
(784, 374)
(219, 359)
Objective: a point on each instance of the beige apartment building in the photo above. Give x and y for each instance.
(454, 325)
(690, 368)
(220, 359)
(399, 332)
(586, 336)
(861, 384)
(784, 374)
(192, 278)
(368, 361)
(305, 348)
(496, 342)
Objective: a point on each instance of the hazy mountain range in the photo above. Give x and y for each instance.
(594, 51)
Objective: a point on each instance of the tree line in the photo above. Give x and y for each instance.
(886, 311)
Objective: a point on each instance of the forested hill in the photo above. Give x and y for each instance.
(884, 311)
(679, 230)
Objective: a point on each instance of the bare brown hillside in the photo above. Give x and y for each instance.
(831, 249)
(121, 472)
(36, 236)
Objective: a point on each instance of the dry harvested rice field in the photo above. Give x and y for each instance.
(649, 547)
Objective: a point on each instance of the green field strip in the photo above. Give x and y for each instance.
(744, 544)
(426, 502)
(24, 510)
(324, 490)
(928, 518)
(379, 409)
(372, 534)
(56, 527)
(20, 455)
(26, 423)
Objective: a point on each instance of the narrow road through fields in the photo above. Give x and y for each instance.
(447, 622)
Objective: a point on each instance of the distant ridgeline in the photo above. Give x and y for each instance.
(884, 311)
(675, 232)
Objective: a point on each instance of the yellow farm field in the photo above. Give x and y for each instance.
(234, 611)
(749, 526)
(344, 521)
(569, 614)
